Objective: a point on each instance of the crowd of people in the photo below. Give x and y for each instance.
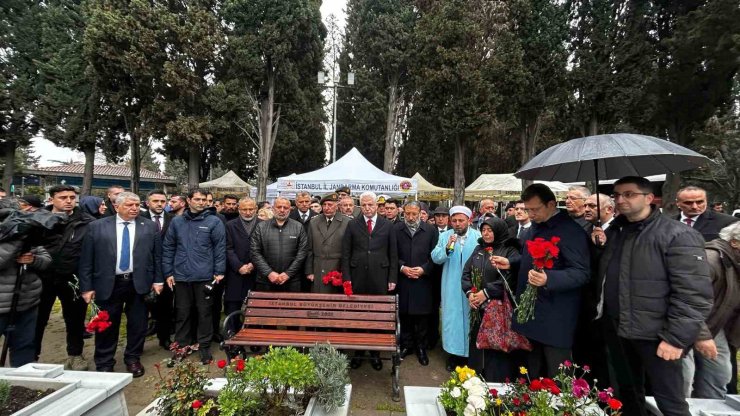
(650, 303)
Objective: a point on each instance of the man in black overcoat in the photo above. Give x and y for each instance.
(416, 240)
(239, 267)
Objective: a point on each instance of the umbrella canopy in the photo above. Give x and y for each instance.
(610, 156)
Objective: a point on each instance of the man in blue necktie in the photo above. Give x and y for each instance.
(119, 266)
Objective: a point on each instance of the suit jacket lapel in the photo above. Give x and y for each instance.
(336, 223)
(112, 231)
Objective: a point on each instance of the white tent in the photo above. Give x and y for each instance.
(351, 170)
(272, 191)
(230, 182)
(504, 186)
(429, 192)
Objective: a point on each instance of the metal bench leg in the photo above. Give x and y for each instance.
(395, 374)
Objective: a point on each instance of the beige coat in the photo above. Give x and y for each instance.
(325, 250)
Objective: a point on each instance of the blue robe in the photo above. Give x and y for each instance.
(455, 307)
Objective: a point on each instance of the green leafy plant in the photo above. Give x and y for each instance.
(332, 374)
(181, 388)
(4, 392)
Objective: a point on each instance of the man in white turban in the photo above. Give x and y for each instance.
(453, 249)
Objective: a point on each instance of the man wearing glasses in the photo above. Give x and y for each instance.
(575, 201)
(654, 295)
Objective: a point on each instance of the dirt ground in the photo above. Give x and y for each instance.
(371, 390)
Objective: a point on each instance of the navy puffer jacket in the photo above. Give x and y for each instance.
(194, 248)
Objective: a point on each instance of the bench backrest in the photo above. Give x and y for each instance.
(356, 313)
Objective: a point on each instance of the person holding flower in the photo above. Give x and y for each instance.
(554, 281)
(495, 366)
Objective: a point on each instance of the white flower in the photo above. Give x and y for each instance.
(477, 390)
(456, 392)
(470, 410)
(477, 402)
(473, 381)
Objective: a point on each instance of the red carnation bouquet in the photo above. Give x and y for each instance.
(543, 252)
(476, 279)
(101, 319)
(333, 278)
(347, 288)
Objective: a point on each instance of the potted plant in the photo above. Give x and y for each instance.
(281, 382)
(568, 393)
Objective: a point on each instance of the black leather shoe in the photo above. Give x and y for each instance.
(135, 368)
(355, 363)
(405, 352)
(421, 353)
(377, 364)
(451, 364)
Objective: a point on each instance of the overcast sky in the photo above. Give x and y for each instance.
(52, 155)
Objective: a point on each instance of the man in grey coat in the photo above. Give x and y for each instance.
(325, 233)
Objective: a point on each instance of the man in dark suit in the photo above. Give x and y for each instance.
(416, 239)
(239, 267)
(692, 201)
(522, 222)
(163, 311)
(370, 256)
(303, 212)
(118, 266)
(110, 199)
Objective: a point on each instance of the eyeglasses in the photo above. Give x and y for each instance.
(627, 194)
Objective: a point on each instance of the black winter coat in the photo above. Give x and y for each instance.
(558, 302)
(279, 249)
(415, 296)
(64, 244)
(665, 291)
(238, 253)
(370, 261)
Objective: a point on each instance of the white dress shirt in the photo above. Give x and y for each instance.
(119, 240)
(374, 218)
(693, 219)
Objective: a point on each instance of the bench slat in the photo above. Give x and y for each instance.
(324, 314)
(253, 336)
(319, 305)
(322, 296)
(320, 323)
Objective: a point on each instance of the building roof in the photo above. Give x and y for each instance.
(111, 171)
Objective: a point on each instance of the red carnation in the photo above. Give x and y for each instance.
(474, 289)
(326, 279)
(516, 401)
(494, 393)
(489, 250)
(221, 363)
(555, 239)
(348, 288)
(196, 404)
(103, 315)
(614, 404)
(535, 385)
(239, 365)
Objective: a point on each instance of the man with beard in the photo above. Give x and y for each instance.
(325, 233)
(453, 249)
(415, 239)
(239, 270)
(230, 209)
(193, 260)
(64, 244)
(163, 311)
(370, 258)
(177, 204)
(279, 247)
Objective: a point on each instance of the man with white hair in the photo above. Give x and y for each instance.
(453, 249)
(370, 257)
(606, 210)
(134, 246)
(575, 201)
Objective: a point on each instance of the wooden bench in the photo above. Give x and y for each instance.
(358, 322)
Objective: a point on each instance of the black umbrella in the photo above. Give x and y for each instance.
(610, 156)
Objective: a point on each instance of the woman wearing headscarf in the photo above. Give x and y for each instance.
(495, 366)
(92, 205)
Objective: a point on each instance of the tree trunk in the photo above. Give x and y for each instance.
(135, 161)
(9, 152)
(459, 171)
(268, 128)
(670, 188)
(391, 124)
(593, 126)
(528, 142)
(193, 167)
(87, 177)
